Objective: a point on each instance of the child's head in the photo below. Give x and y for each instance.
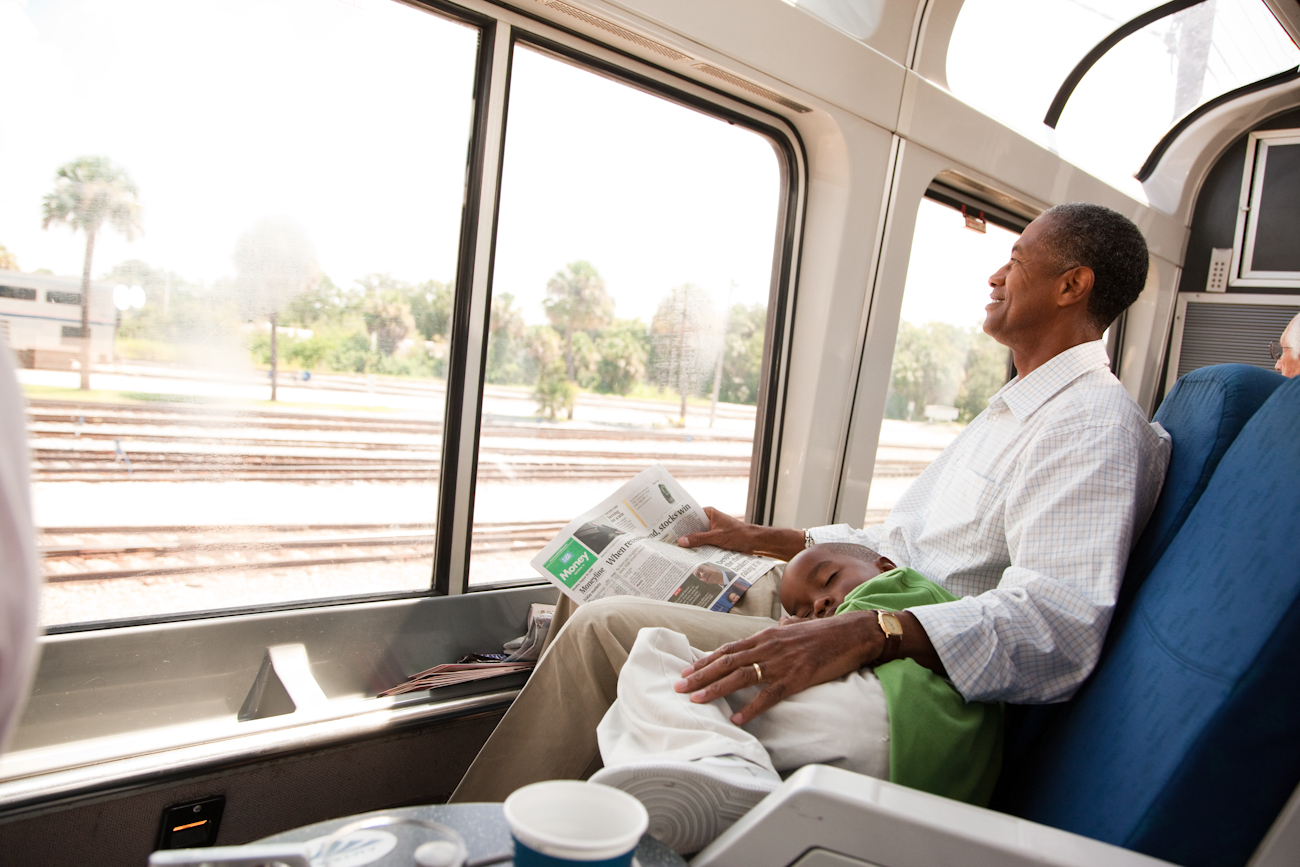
(817, 579)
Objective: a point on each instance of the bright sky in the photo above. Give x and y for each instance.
(947, 275)
(999, 62)
(352, 116)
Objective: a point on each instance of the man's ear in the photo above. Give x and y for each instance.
(1076, 286)
(884, 564)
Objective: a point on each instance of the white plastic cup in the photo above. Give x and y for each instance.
(569, 822)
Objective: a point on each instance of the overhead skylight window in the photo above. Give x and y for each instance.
(1009, 67)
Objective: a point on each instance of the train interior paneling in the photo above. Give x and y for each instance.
(231, 638)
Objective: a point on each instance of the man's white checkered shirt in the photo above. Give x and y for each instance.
(1029, 516)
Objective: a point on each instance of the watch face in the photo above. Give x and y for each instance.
(889, 623)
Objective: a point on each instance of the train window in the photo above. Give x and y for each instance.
(17, 293)
(266, 196)
(945, 367)
(1177, 62)
(1000, 61)
(633, 262)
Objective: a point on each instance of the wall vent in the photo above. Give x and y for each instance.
(613, 29)
(756, 89)
(1230, 334)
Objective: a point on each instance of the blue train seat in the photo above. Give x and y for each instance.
(1203, 414)
(1183, 744)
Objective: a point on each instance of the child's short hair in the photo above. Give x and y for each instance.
(857, 552)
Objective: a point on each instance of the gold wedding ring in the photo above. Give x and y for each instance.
(759, 672)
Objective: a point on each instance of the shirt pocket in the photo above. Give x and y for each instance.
(969, 503)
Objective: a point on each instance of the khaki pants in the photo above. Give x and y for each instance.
(549, 733)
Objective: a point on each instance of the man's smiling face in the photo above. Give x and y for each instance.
(1024, 290)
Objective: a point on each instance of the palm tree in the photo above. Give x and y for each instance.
(577, 301)
(276, 262)
(89, 192)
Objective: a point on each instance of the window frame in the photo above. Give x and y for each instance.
(453, 556)
(500, 28)
(1243, 272)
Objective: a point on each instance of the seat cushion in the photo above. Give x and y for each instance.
(1183, 744)
(1204, 413)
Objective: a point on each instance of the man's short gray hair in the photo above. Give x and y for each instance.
(1105, 241)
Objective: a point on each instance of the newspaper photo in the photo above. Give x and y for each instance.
(627, 546)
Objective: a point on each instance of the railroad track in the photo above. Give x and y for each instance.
(86, 416)
(108, 466)
(101, 553)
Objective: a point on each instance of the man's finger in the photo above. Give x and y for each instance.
(738, 679)
(728, 649)
(762, 702)
(702, 677)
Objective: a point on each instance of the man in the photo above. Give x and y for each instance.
(1027, 517)
(1287, 350)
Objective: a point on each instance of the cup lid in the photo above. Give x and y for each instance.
(577, 820)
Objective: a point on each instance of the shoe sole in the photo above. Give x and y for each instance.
(688, 806)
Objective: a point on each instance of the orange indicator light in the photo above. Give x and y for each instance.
(190, 825)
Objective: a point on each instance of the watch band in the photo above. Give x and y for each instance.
(893, 629)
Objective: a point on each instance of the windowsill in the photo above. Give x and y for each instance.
(139, 704)
(36, 775)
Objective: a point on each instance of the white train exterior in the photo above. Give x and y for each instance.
(40, 318)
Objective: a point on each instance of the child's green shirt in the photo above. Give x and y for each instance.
(938, 742)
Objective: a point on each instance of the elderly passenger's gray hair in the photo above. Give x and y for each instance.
(1292, 328)
(1105, 241)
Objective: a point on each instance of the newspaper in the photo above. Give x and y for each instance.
(520, 655)
(627, 546)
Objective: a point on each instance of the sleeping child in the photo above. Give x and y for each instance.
(697, 772)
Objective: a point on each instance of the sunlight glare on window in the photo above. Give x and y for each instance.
(257, 420)
(633, 262)
(945, 367)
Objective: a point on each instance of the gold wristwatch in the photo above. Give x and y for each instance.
(893, 629)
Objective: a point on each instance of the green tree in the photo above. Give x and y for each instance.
(321, 302)
(275, 261)
(431, 308)
(506, 357)
(742, 359)
(986, 372)
(386, 311)
(928, 367)
(622, 352)
(8, 261)
(553, 390)
(576, 300)
(683, 334)
(89, 193)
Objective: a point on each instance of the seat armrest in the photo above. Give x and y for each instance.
(879, 822)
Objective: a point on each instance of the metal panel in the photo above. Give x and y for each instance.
(1226, 329)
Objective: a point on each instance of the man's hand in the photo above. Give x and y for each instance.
(792, 657)
(733, 535)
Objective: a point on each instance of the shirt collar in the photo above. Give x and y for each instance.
(1025, 394)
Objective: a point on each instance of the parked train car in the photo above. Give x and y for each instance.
(41, 318)
(702, 234)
